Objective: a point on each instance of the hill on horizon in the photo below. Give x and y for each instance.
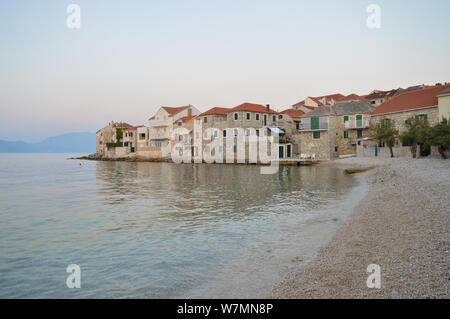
(80, 142)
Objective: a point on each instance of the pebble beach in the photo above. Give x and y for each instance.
(402, 225)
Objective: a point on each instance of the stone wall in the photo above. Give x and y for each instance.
(401, 117)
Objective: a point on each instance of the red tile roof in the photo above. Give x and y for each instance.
(350, 97)
(174, 110)
(293, 113)
(251, 107)
(377, 94)
(411, 100)
(186, 118)
(217, 111)
(318, 99)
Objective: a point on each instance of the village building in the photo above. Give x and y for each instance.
(161, 127)
(106, 138)
(311, 103)
(421, 104)
(331, 131)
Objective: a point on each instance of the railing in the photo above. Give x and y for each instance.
(309, 127)
(160, 135)
(157, 123)
(357, 124)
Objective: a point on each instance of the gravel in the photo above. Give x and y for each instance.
(402, 225)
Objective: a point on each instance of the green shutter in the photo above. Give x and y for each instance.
(345, 134)
(345, 118)
(359, 117)
(316, 135)
(425, 117)
(360, 133)
(314, 123)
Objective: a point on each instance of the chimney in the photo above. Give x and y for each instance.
(189, 112)
(268, 108)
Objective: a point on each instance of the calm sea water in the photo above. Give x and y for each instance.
(160, 230)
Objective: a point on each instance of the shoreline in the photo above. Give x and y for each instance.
(401, 225)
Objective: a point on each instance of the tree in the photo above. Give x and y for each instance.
(417, 131)
(439, 135)
(385, 132)
(119, 134)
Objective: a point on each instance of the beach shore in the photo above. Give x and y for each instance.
(402, 225)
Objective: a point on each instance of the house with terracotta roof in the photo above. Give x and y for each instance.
(107, 136)
(377, 97)
(310, 103)
(293, 119)
(161, 126)
(429, 104)
(130, 138)
(330, 131)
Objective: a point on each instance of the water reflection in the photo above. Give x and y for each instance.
(202, 193)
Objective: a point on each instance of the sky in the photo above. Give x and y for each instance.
(130, 57)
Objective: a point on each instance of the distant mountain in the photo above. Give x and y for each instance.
(64, 143)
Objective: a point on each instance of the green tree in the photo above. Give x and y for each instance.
(417, 133)
(439, 135)
(119, 134)
(385, 132)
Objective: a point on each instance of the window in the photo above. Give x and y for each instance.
(381, 101)
(224, 133)
(257, 117)
(314, 123)
(280, 117)
(236, 116)
(142, 136)
(257, 132)
(336, 149)
(235, 132)
(345, 134)
(421, 117)
(372, 102)
(316, 135)
(234, 148)
(220, 148)
(345, 118)
(274, 118)
(359, 133)
(248, 116)
(205, 120)
(215, 133)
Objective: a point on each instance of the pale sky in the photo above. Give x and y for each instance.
(130, 57)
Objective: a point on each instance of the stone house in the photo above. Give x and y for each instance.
(161, 127)
(130, 139)
(426, 104)
(108, 135)
(311, 103)
(332, 131)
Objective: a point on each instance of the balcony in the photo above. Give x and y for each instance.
(308, 127)
(158, 123)
(357, 124)
(159, 136)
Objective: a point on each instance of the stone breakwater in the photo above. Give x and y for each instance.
(402, 225)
